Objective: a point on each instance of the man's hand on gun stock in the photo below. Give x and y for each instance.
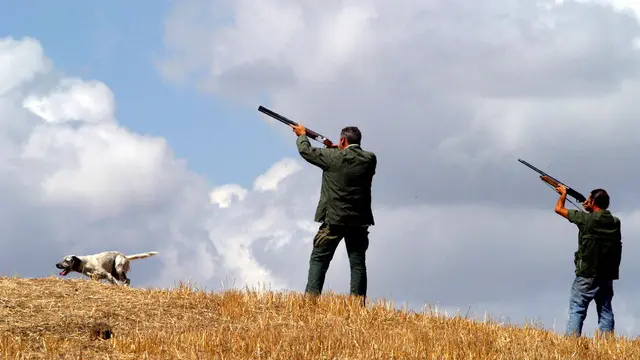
(561, 189)
(301, 130)
(329, 144)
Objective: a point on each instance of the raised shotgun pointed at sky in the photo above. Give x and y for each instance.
(553, 182)
(310, 133)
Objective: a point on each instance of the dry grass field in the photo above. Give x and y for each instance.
(53, 318)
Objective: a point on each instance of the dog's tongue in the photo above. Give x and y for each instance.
(64, 272)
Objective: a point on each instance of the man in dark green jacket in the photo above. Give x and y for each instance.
(344, 209)
(597, 260)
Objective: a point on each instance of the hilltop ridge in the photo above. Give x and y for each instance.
(49, 317)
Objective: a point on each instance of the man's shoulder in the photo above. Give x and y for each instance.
(610, 214)
(369, 155)
(606, 218)
(584, 215)
(574, 215)
(596, 219)
(604, 215)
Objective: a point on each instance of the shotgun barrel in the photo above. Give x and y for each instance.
(310, 133)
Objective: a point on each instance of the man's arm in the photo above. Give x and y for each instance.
(574, 216)
(560, 208)
(319, 157)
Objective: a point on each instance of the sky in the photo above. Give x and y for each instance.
(135, 128)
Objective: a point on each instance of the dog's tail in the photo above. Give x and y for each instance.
(142, 256)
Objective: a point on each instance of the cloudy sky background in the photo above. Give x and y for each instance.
(141, 133)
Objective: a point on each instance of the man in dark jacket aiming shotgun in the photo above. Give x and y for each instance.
(344, 209)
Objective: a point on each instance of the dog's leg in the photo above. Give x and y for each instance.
(93, 275)
(113, 280)
(126, 280)
(121, 267)
(110, 278)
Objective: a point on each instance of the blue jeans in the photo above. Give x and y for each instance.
(583, 291)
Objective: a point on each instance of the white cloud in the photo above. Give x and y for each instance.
(224, 195)
(96, 162)
(621, 5)
(104, 165)
(74, 99)
(270, 180)
(20, 62)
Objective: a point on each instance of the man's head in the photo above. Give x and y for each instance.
(598, 200)
(348, 136)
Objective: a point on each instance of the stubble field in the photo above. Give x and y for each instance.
(54, 318)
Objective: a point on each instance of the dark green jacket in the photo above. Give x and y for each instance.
(599, 244)
(345, 196)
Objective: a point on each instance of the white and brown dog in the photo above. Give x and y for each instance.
(109, 265)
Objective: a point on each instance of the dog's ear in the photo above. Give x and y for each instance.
(75, 263)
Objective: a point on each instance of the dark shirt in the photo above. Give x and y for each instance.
(599, 244)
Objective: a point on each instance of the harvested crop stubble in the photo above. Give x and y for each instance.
(44, 318)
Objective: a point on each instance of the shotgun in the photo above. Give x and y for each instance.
(553, 182)
(310, 133)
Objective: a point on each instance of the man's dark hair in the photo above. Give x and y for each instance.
(352, 134)
(600, 198)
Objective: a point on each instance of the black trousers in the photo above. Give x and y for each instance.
(325, 243)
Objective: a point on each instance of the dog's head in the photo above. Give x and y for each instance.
(68, 264)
